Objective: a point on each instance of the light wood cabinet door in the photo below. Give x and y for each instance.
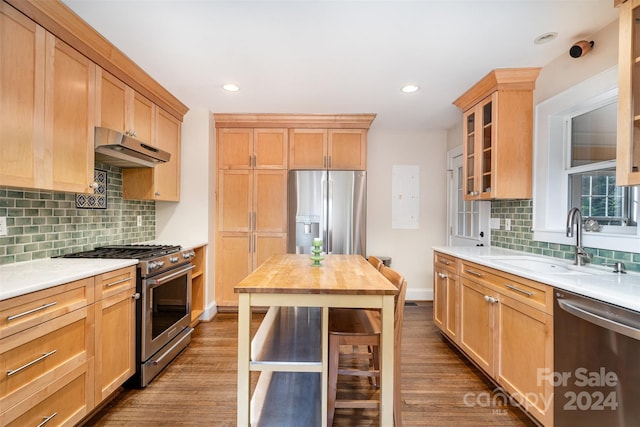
(167, 175)
(233, 263)
(440, 297)
(112, 97)
(628, 129)
(235, 200)
(525, 337)
(161, 182)
(477, 323)
(267, 245)
(479, 132)
(270, 148)
(308, 148)
(347, 149)
(270, 200)
(115, 342)
(22, 57)
(142, 118)
(235, 148)
(69, 116)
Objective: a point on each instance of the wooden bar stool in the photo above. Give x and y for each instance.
(356, 327)
(375, 261)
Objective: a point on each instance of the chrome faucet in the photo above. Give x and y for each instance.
(575, 218)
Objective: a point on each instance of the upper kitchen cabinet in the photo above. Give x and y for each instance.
(46, 109)
(246, 148)
(121, 108)
(628, 144)
(161, 182)
(344, 149)
(498, 135)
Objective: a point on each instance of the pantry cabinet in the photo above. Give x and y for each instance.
(498, 135)
(628, 132)
(46, 110)
(344, 149)
(505, 326)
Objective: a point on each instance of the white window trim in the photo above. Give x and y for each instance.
(550, 185)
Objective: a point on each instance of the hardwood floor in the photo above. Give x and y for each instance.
(439, 387)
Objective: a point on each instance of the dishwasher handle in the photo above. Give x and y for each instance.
(598, 320)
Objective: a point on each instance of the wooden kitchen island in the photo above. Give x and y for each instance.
(290, 348)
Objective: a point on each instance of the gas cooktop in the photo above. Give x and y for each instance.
(126, 251)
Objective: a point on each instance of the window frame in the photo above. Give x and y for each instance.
(551, 158)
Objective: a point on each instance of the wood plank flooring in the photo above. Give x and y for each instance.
(439, 387)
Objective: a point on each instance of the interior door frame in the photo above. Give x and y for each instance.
(484, 207)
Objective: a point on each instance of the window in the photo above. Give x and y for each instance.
(467, 212)
(591, 142)
(574, 166)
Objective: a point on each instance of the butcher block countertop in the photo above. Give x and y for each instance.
(337, 274)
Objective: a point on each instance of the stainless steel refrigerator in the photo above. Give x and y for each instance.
(330, 205)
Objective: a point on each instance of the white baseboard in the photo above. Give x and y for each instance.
(419, 295)
(209, 312)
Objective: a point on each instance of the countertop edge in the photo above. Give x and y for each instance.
(620, 290)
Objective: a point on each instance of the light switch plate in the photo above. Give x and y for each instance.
(139, 220)
(494, 223)
(507, 224)
(3, 226)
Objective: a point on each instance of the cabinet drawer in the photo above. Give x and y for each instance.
(527, 291)
(64, 403)
(33, 359)
(25, 311)
(113, 282)
(444, 261)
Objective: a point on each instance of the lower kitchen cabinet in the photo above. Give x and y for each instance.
(446, 310)
(505, 328)
(115, 338)
(66, 348)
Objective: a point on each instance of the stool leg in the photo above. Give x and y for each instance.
(332, 381)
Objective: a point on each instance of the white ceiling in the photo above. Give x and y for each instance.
(338, 56)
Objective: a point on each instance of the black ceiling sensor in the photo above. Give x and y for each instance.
(580, 48)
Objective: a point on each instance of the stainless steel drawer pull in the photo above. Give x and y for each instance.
(474, 273)
(445, 262)
(517, 289)
(33, 362)
(33, 310)
(117, 282)
(442, 275)
(47, 419)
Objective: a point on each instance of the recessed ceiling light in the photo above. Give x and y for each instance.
(410, 88)
(230, 87)
(545, 38)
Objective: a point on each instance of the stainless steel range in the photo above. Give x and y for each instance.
(163, 311)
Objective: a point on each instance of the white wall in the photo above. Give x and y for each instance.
(410, 250)
(565, 71)
(187, 222)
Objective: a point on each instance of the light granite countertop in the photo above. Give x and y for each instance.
(592, 281)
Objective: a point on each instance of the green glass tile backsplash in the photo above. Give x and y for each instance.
(520, 237)
(42, 224)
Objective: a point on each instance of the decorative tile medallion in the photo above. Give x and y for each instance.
(97, 200)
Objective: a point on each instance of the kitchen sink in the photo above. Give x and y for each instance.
(544, 265)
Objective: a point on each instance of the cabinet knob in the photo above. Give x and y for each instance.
(94, 185)
(442, 275)
(157, 194)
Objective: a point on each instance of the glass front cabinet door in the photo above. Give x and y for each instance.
(497, 130)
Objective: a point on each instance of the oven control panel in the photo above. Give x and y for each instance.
(156, 265)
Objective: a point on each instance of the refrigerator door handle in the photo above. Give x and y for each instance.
(329, 248)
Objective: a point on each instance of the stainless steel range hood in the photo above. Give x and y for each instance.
(119, 149)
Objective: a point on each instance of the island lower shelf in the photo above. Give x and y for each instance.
(287, 352)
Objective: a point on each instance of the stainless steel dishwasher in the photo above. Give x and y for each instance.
(596, 373)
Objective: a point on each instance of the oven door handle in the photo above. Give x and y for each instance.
(165, 278)
(588, 316)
